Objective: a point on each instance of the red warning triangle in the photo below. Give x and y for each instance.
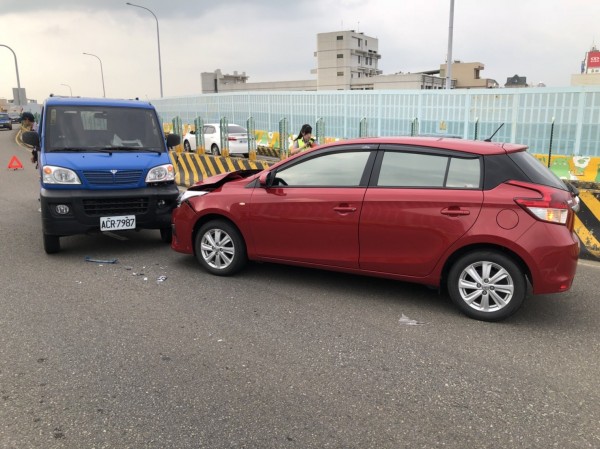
(15, 163)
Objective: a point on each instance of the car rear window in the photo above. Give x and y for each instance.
(536, 171)
(235, 129)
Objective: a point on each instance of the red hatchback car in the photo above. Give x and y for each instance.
(479, 219)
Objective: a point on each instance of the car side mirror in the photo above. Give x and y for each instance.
(31, 138)
(173, 140)
(265, 179)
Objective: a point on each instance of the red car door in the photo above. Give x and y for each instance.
(415, 208)
(311, 213)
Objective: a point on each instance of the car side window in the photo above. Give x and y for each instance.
(209, 130)
(404, 169)
(343, 169)
(464, 173)
(412, 170)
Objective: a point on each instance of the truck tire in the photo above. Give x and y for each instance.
(51, 244)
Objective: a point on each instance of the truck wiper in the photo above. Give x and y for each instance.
(119, 148)
(68, 150)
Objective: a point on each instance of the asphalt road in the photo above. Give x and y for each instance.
(97, 355)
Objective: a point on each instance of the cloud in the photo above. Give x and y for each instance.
(272, 40)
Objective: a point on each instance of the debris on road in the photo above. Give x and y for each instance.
(89, 259)
(406, 321)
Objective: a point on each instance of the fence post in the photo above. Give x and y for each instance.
(363, 128)
(414, 127)
(320, 131)
(550, 147)
(224, 134)
(199, 125)
(283, 137)
(250, 126)
(178, 129)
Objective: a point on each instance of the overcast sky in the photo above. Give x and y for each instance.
(275, 40)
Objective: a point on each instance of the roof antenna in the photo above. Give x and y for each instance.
(489, 139)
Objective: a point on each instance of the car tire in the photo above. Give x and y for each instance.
(166, 234)
(487, 285)
(51, 244)
(186, 146)
(214, 150)
(220, 248)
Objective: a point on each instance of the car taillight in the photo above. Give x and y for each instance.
(232, 138)
(552, 207)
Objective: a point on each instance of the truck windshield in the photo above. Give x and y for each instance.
(98, 128)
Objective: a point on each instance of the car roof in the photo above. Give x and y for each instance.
(82, 101)
(468, 146)
(218, 124)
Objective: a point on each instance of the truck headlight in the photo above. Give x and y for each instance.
(161, 173)
(59, 175)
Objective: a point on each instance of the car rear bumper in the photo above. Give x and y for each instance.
(554, 252)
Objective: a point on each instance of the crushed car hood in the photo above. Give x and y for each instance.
(223, 178)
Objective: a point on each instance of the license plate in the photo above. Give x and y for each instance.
(242, 141)
(117, 223)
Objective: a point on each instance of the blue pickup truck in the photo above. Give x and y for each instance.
(104, 166)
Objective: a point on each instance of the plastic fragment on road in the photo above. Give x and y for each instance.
(406, 321)
(161, 279)
(90, 259)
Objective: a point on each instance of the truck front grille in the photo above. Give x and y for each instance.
(107, 177)
(115, 206)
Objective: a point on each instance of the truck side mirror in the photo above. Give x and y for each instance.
(173, 140)
(31, 138)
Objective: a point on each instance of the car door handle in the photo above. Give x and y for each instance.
(344, 209)
(454, 212)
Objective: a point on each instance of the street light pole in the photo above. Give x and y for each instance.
(449, 59)
(17, 68)
(101, 72)
(158, 38)
(71, 90)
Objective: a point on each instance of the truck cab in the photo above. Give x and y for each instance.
(104, 166)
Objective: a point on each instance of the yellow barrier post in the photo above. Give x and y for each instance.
(200, 146)
(251, 138)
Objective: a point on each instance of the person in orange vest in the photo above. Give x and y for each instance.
(303, 141)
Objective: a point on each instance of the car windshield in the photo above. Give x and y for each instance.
(4, 116)
(99, 128)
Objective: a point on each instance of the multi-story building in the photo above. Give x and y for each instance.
(346, 60)
(349, 60)
(590, 69)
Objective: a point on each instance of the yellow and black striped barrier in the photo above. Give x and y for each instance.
(191, 167)
(268, 151)
(587, 221)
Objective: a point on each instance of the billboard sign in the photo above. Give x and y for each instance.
(593, 59)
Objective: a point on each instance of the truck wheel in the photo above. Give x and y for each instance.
(166, 234)
(51, 244)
